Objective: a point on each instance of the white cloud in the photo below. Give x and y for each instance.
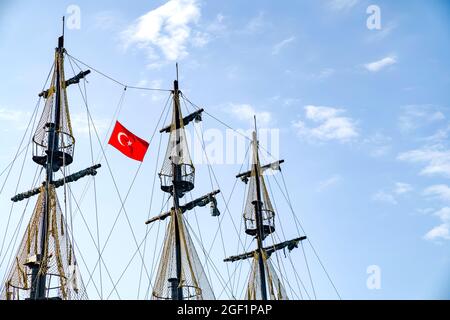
(166, 28)
(328, 183)
(323, 74)
(439, 136)
(342, 4)
(200, 39)
(417, 116)
(436, 159)
(442, 230)
(384, 197)
(280, 45)
(381, 64)
(399, 188)
(245, 112)
(327, 124)
(155, 84)
(402, 188)
(439, 191)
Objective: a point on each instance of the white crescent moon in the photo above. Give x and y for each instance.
(119, 136)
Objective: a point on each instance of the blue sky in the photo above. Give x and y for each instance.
(363, 120)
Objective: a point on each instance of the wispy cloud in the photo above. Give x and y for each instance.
(391, 197)
(166, 29)
(441, 231)
(106, 20)
(280, 45)
(245, 112)
(417, 116)
(402, 188)
(326, 123)
(438, 191)
(435, 158)
(328, 183)
(342, 4)
(378, 65)
(384, 197)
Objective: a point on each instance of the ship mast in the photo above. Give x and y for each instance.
(46, 249)
(259, 223)
(258, 214)
(38, 284)
(177, 293)
(180, 275)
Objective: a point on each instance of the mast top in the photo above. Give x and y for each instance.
(175, 83)
(61, 38)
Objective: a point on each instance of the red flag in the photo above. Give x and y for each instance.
(126, 142)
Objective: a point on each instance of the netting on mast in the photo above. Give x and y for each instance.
(63, 141)
(58, 260)
(177, 154)
(194, 283)
(276, 290)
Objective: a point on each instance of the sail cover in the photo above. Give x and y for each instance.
(194, 283)
(63, 280)
(275, 288)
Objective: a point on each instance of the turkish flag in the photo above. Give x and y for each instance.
(128, 143)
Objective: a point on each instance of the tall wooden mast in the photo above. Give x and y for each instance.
(177, 292)
(259, 223)
(38, 284)
(258, 215)
(180, 274)
(45, 266)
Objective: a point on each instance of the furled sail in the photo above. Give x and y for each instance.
(57, 260)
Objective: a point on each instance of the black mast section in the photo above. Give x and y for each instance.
(39, 273)
(259, 218)
(177, 294)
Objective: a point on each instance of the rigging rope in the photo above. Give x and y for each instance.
(115, 80)
(31, 122)
(92, 238)
(212, 188)
(151, 199)
(115, 185)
